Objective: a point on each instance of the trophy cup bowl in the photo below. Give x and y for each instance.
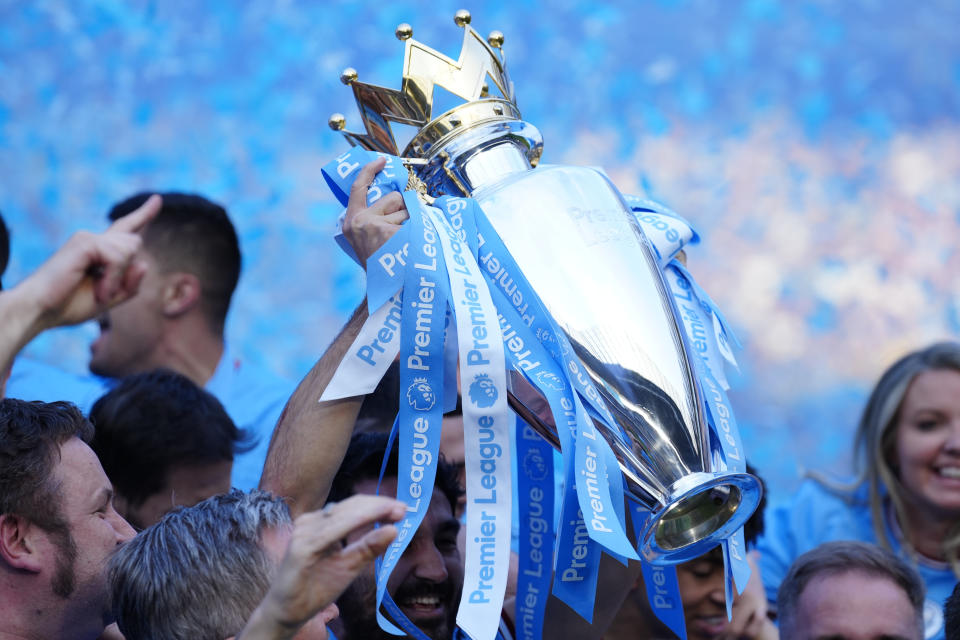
(583, 253)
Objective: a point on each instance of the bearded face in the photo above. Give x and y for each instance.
(425, 584)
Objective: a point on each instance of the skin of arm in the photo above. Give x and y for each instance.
(87, 275)
(317, 568)
(311, 437)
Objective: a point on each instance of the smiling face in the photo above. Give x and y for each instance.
(426, 581)
(926, 454)
(95, 531)
(131, 331)
(701, 590)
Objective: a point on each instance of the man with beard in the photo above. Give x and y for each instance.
(428, 578)
(58, 526)
(57, 521)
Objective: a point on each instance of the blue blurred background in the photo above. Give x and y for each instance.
(814, 144)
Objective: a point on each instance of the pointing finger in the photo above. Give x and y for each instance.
(136, 220)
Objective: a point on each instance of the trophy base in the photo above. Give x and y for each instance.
(703, 509)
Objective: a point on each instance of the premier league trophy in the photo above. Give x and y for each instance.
(582, 252)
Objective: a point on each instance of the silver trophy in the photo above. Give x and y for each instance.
(581, 249)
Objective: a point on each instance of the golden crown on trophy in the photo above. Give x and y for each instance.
(424, 68)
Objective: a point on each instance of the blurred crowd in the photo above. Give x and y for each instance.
(175, 492)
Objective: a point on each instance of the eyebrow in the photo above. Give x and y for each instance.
(103, 495)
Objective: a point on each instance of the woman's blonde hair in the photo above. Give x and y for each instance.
(876, 440)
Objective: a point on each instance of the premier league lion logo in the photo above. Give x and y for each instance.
(534, 465)
(420, 395)
(550, 380)
(483, 392)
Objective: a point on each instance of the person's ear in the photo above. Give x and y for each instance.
(18, 543)
(181, 293)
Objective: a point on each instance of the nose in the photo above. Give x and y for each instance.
(953, 437)
(718, 596)
(122, 528)
(428, 562)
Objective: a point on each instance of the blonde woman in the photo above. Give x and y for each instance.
(907, 494)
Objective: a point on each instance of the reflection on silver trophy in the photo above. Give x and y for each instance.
(581, 249)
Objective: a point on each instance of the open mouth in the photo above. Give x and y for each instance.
(104, 323)
(949, 472)
(710, 625)
(423, 606)
(423, 600)
(422, 603)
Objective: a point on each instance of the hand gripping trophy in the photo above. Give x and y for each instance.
(604, 340)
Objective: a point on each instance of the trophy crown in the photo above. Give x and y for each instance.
(480, 66)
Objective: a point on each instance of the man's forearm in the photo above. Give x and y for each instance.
(311, 437)
(20, 319)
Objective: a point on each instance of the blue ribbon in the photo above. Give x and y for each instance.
(388, 604)
(534, 345)
(666, 231)
(535, 493)
(425, 295)
(578, 554)
(660, 581)
(341, 172)
(696, 316)
(423, 320)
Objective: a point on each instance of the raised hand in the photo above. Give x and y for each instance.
(367, 228)
(317, 567)
(87, 275)
(91, 272)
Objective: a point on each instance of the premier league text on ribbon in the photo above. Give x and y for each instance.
(535, 509)
(505, 150)
(489, 451)
(391, 324)
(486, 436)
